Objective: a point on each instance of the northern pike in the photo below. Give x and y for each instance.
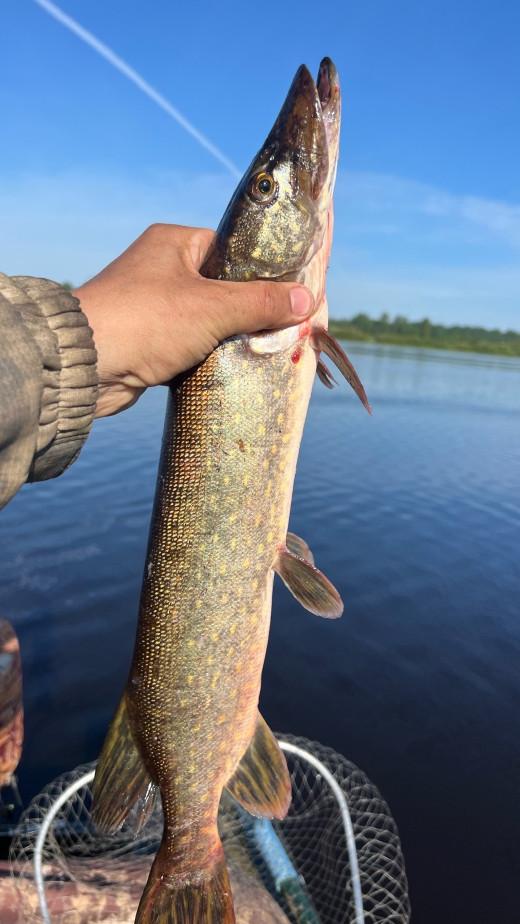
(188, 721)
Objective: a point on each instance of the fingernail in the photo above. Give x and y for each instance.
(301, 302)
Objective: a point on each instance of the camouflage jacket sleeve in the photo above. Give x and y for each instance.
(48, 381)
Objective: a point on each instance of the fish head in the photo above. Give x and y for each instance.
(277, 217)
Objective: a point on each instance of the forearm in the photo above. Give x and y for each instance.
(48, 381)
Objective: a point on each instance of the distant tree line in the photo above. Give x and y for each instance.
(425, 333)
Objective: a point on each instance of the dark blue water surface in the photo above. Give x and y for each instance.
(414, 514)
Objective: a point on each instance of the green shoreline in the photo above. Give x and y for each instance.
(424, 334)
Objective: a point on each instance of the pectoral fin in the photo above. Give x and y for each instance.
(261, 782)
(310, 587)
(322, 341)
(122, 784)
(324, 374)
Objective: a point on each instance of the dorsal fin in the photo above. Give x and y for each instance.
(122, 783)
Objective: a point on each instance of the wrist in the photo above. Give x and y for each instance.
(118, 389)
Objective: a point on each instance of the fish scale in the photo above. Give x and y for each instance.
(188, 722)
(226, 438)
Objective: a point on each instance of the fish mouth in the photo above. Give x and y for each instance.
(315, 108)
(324, 84)
(329, 94)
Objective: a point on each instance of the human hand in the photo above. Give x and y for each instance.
(154, 316)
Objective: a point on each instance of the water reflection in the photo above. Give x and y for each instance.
(414, 514)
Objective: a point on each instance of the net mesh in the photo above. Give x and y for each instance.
(299, 874)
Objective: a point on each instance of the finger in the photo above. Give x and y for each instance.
(178, 242)
(246, 307)
(201, 241)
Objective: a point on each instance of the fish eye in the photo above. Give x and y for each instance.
(263, 187)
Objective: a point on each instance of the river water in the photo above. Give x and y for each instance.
(414, 514)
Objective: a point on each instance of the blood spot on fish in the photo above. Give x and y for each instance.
(296, 356)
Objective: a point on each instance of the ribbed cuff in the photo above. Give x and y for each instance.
(70, 382)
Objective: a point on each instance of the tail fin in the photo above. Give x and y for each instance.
(171, 899)
(122, 781)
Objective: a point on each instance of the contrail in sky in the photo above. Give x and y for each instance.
(139, 81)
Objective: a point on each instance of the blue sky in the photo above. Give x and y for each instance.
(428, 198)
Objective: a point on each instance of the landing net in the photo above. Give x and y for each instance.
(335, 859)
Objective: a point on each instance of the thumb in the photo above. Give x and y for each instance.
(247, 307)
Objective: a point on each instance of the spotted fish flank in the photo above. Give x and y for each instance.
(189, 714)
